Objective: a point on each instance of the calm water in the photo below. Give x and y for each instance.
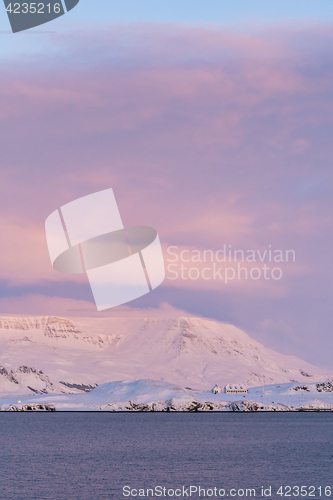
(88, 456)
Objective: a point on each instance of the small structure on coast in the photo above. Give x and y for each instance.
(235, 389)
(216, 389)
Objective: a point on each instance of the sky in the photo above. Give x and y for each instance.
(216, 11)
(212, 124)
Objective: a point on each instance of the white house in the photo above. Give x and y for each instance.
(216, 389)
(235, 389)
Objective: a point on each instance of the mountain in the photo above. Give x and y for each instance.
(59, 355)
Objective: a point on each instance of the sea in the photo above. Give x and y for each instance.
(93, 456)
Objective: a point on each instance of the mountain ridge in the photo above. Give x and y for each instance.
(185, 350)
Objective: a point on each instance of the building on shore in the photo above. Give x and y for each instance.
(235, 389)
(216, 389)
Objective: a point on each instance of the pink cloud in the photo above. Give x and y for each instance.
(24, 255)
(37, 304)
(202, 134)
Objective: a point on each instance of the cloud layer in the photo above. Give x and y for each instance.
(211, 137)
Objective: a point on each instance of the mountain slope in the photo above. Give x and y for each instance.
(75, 355)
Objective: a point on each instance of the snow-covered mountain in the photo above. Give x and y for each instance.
(59, 355)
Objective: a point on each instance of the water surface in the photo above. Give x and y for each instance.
(85, 456)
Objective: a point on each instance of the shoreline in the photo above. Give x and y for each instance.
(157, 396)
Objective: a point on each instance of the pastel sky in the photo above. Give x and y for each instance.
(210, 133)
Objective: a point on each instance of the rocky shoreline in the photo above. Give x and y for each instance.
(157, 396)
